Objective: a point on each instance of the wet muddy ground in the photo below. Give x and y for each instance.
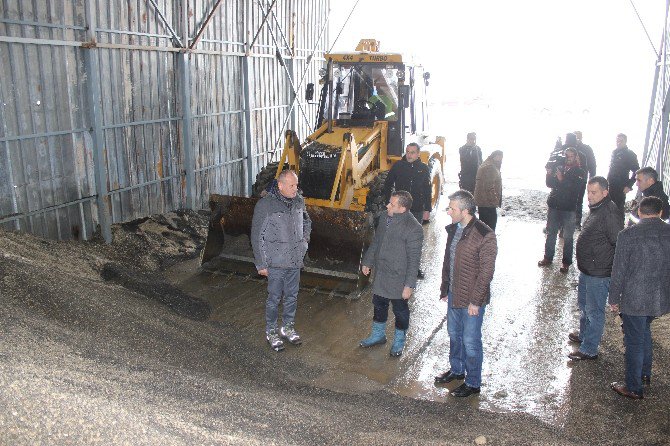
(133, 344)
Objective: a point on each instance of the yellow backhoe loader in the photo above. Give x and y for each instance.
(371, 106)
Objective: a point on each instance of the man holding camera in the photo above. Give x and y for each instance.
(565, 183)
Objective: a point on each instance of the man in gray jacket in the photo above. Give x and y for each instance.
(595, 254)
(280, 232)
(394, 254)
(640, 290)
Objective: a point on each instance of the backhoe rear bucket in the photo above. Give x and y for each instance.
(332, 264)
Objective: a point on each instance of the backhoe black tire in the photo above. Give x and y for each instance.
(375, 201)
(263, 178)
(436, 183)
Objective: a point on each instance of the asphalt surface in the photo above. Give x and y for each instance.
(133, 344)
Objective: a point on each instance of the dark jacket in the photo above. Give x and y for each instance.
(587, 159)
(624, 161)
(280, 231)
(565, 194)
(394, 254)
(640, 282)
(596, 242)
(656, 190)
(413, 178)
(473, 267)
(471, 159)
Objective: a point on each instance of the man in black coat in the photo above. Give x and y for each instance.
(564, 182)
(588, 163)
(640, 290)
(471, 159)
(595, 254)
(621, 176)
(647, 183)
(411, 175)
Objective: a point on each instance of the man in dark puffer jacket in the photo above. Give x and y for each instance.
(595, 254)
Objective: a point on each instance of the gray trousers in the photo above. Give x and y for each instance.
(286, 283)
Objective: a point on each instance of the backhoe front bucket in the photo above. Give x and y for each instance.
(332, 265)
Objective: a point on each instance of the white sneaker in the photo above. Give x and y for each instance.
(274, 340)
(288, 332)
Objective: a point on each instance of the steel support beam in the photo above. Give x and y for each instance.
(246, 96)
(260, 28)
(95, 103)
(204, 25)
(185, 93)
(165, 22)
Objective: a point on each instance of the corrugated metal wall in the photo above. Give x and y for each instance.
(657, 143)
(112, 109)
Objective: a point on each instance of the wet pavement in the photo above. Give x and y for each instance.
(524, 333)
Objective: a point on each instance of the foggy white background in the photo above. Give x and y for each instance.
(522, 72)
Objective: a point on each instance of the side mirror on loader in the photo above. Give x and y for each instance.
(309, 92)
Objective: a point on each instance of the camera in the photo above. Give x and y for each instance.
(557, 157)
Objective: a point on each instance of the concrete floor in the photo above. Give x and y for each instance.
(525, 369)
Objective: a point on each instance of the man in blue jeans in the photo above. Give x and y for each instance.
(565, 183)
(280, 231)
(640, 291)
(467, 271)
(595, 254)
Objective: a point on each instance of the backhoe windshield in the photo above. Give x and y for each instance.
(365, 92)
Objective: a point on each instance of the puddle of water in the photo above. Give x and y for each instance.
(524, 333)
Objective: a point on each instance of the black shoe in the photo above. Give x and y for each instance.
(544, 262)
(420, 275)
(464, 390)
(564, 268)
(574, 337)
(578, 356)
(448, 377)
(646, 380)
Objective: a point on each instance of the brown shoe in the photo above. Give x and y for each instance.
(574, 337)
(564, 269)
(621, 389)
(579, 356)
(544, 262)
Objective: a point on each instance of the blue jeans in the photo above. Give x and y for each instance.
(400, 311)
(286, 283)
(556, 220)
(465, 343)
(592, 299)
(637, 339)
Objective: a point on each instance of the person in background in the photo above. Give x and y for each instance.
(595, 254)
(280, 231)
(488, 189)
(621, 176)
(640, 291)
(471, 159)
(467, 271)
(564, 182)
(648, 185)
(412, 175)
(394, 254)
(588, 162)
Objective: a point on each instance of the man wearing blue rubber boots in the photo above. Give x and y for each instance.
(394, 255)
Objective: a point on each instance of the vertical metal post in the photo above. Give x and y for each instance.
(646, 154)
(187, 115)
(99, 161)
(246, 92)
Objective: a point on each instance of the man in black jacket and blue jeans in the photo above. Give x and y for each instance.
(595, 254)
(565, 182)
(640, 290)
